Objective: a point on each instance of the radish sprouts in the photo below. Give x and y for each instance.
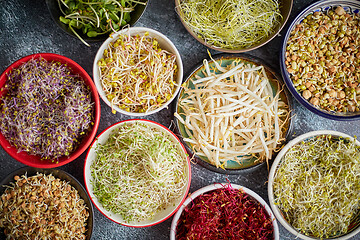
(232, 113)
(316, 186)
(46, 110)
(138, 172)
(231, 24)
(136, 74)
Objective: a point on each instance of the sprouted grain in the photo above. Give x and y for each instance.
(42, 207)
(323, 59)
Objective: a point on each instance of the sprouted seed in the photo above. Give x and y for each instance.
(96, 17)
(138, 172)
(231, 24)
(42, 207)
(136, 74)
(232, 113)
(316, 186)
(46, 109)
(224, 213)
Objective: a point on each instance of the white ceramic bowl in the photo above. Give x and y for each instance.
(274, 207)
(214, 187)
(164, 43)
(160, 216)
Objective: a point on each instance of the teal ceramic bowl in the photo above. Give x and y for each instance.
(233, 167)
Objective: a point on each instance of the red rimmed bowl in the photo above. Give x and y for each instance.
(115, 179)
(37, 161)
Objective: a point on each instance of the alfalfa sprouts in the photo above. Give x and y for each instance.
(316, 186)
(138, 172)
(232, 113)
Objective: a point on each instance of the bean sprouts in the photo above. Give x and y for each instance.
(138, 172)
(316, 186)
(136, 74)
(232, 113)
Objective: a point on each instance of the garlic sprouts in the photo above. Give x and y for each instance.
(231, 24)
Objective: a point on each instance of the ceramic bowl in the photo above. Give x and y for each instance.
(232, 167)
(117, 218)
(354, 227)
(212, 187)
(322, 6)
(64, 176)
(164, 43)
(56, 13)
(36, 161)
(285, 10)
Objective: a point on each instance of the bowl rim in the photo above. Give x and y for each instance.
(132, 31)
(55, 172)
(278, 78)
(98, 38)
(272, 172)
(215, 186)
(271, 37)
(166, 130)
(75, 68)
(306, 10)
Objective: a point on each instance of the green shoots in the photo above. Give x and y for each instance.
(317, 186)
(138, 172)
(231, 24)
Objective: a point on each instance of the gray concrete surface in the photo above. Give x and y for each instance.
(26, 27)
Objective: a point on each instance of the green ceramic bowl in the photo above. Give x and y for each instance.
(232, 167)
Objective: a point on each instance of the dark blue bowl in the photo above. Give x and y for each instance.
(322, 5)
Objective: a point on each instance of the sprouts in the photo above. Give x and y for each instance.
(94, 17)
(224, 213)
(136, 74)
(42, 207)
(231, 24)
(316, 186)
(232, 114)
(138, 172)
(46, 110)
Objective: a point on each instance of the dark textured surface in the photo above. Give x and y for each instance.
(26, 27)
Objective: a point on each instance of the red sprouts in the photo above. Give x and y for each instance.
(224, 213)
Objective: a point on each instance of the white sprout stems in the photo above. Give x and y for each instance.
(233, 111)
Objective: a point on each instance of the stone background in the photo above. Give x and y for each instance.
(26, 27)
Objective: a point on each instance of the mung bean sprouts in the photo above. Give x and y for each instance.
(233, 113)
